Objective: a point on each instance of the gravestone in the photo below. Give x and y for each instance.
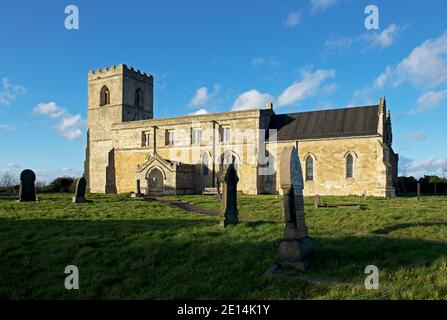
(27, 191)
(317, 201)
(80, 191)
(297, 247)
(229, 196)
(219, 191)
(137, 193)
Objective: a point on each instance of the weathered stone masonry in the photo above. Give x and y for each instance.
(350, 149)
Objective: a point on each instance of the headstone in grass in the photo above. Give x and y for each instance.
(418, 190)
(317, 201)
(137, 192)
(297, 247)
(27, 192)
(229, 196)
(80, 191)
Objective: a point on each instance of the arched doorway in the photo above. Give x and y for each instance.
(155, 182)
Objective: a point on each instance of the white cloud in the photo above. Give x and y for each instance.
(270, 61)
(200, 97)
(416, 136)
(251, 99)
(199, 112)
(320, 5)
(305, 87)
(429, 166)
(7, 127)
(425, 66)
(430, 99)
(69, 126)
(338, 44)
(386, 37)
(367, 40)
(50, 109)
(203, 96)
(293, 19)
(9, 92)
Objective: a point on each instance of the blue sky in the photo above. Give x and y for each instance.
(209, 56)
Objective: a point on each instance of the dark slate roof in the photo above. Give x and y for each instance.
(347, 122)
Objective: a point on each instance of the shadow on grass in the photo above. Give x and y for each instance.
(180, 259)
(400, 226)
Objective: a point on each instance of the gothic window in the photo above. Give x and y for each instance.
(104, 96)
(138, 98)
(349, 166)
(309, 168)
(205, 163)
(226, 159)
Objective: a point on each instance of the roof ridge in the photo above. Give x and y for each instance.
(334, 109)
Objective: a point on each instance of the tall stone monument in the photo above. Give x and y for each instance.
(297, 247)
(80, 191)
(27, 192)
(229, 182)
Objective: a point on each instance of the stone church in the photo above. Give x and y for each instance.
(342, 151)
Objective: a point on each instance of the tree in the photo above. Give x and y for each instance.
(8, 181)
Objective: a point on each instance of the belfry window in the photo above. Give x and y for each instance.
(138, 99)
(309, 168)
(349, 166)
(104, 96)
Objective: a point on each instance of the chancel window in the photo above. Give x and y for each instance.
(309, 168)
(104, 96)
(349, 166)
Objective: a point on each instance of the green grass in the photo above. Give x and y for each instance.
(142, 249)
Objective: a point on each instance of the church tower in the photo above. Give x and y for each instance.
(116, 94)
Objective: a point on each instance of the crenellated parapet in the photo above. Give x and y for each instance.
(120, 69)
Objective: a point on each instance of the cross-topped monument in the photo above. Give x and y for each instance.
(297, 246)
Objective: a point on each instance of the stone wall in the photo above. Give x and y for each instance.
(100, 168)
(130, 149)
(329, 158)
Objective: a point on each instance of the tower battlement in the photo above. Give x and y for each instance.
(120, 69)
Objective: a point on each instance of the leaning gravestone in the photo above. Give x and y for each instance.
(27, 191)
(229, 196)
(297, 247)
(317, 201)
(80, 191)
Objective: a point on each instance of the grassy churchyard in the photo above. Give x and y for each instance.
(144, 249)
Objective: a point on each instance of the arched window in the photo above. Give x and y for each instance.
(349, 166)
(228, 158)
(309, 168)
(138, 98)
(105, 96)
(205, 163)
